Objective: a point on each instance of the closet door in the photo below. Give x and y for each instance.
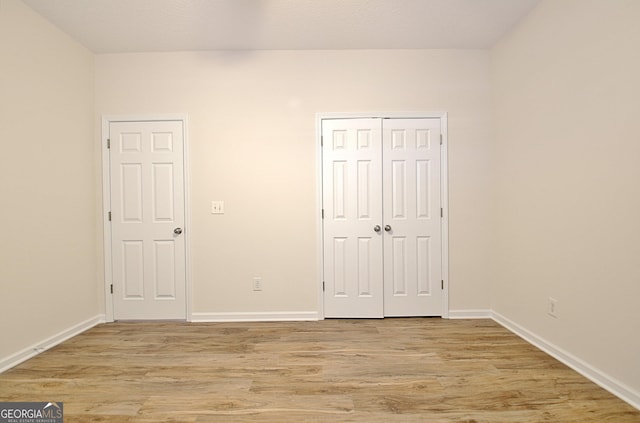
(352, 224)
(382, 241)
(412, 219)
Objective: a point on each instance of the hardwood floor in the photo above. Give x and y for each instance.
(391, 370)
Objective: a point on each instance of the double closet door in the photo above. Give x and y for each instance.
(382, 232)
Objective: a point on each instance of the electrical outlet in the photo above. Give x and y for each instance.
(217, 207)
(257, 283)
(552, 307)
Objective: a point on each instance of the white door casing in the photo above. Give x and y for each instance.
(147, 211)
(386, 173)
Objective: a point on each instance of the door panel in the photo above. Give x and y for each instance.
(352, 192)
(412, 253)
(147, 204)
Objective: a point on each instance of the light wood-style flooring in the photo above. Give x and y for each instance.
(390, 370)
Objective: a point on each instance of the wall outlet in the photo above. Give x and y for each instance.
(217, 207)
(552, 307)
(257, 283)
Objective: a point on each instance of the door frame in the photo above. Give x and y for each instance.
(444, 192)
(106, 204)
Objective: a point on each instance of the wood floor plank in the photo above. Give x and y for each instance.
(389, 370)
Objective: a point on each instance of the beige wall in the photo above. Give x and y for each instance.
(47, 184)
(566, 92)
(252, 144)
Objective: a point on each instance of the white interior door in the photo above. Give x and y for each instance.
(382, 241)
(412, 219)
(147, 219)
(352, 195)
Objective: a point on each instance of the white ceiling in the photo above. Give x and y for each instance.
(117, 26)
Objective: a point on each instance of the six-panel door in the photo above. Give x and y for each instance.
(147, 220)
(352, 194)
(381, 228)
(411, 210)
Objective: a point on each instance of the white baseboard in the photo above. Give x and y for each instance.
(256, 317)
(470, 314)
(29, 352)
(612, 385)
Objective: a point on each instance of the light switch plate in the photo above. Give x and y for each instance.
(217, 207)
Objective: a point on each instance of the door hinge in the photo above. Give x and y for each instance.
(321, 141)
(323, 213)
(440, 139)
(441, 212)
(442, 284)
(109, 216)
(322, 286)
(108, 143)
(112, 288)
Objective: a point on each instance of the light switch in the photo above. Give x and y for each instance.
(217, 207)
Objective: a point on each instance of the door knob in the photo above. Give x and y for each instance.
(387, 228)
(376, 228)
(177, 231)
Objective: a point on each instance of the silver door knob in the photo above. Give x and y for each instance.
(177, 231)
(376, 228)
(387, 228)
